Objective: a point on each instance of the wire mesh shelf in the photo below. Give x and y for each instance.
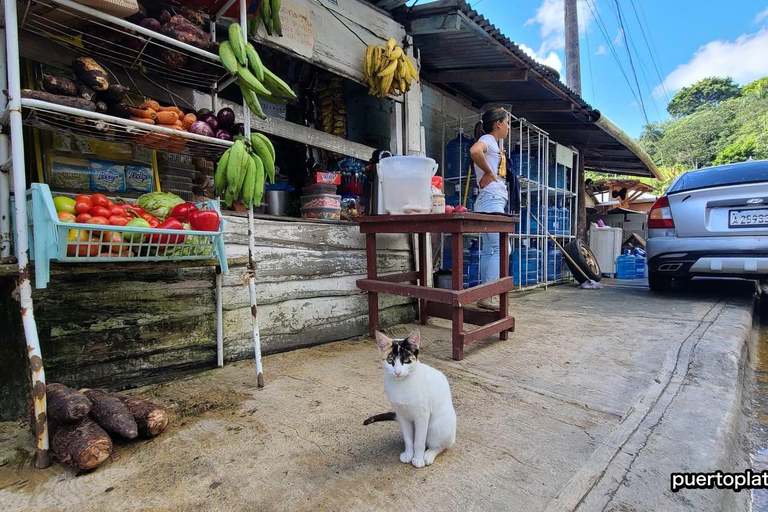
(113, 40)
(49, 116)
(54, 240)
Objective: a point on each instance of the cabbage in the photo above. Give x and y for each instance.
(159, 204)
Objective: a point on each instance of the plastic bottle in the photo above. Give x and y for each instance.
(625, 266)
(457, 157)
(553, 220)
(554, 265)
(640, 257)
(474, 264)
(565, 218)
(526, 266)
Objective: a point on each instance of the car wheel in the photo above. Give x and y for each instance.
(658, 282)
(585, 260)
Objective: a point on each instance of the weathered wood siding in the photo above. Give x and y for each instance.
(120, 330)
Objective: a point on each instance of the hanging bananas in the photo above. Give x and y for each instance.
(243, 170)
(387, 70)
(241, 59)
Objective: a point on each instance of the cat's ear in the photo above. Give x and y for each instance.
(382, 341)
(414, 339)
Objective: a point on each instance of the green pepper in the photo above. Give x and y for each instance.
(136, 238)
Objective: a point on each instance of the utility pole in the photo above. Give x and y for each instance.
(573, 76)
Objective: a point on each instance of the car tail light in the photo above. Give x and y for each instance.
(660, 216)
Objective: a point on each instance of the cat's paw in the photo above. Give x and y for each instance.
(406, 457)
(418, 463)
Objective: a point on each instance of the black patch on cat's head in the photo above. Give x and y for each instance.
(403, 350)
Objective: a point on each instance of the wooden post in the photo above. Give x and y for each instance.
(373, 298)
(572, 62)
(504, 272)
(457, 280)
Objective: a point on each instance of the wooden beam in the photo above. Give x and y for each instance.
(435, 25)
(478, 75)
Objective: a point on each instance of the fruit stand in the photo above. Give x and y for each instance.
(46, 229)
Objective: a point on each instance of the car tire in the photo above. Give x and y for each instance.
(658, 282)
(586, 261)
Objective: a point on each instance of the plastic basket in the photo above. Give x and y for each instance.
(53, 240)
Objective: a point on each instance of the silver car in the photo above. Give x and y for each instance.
(710, 222)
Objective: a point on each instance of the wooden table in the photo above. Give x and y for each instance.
(437, 302)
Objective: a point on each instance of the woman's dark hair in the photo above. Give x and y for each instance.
(489, 119)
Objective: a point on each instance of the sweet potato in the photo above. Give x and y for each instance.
(91, 73)
(86, 93)
(150, 417)
(65, 405)
(58, 99)
(84, 445)
(111, 414)
(59, 85)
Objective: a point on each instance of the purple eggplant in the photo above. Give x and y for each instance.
(210, 118)
(223, 135)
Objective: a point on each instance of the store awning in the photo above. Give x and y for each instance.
(464, 53)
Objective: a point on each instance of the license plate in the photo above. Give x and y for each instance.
(748, 218)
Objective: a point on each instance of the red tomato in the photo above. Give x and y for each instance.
(101, 211)
(82, 196)
(82, 245)
(117, 211)
(100, 200)
(118, 220)
(83, 205)
(67, 217)
(460, 209)
(110, 204)
(102, 221)
(83, 218)
(112, 241)
(448, 208)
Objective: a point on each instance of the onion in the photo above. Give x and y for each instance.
(226, 118)
(201, 128)
(223, 135)
(210, 118)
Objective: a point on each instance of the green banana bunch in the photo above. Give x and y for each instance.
(242, 170)
(387, 70)
(241, 59)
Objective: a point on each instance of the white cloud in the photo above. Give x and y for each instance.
(601, 50)
(552, 59)
(743, 60)
(619, 40)
(634, 104)
(761, 15)
(551, 16)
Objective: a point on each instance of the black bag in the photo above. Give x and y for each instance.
(513, 192)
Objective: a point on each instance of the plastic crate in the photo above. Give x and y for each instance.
(50, 240)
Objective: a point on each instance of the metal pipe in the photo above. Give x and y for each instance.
(22, 241)
(5, 177)
(251, 242)
(225, 8)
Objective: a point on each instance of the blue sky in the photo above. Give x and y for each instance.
(693, 39)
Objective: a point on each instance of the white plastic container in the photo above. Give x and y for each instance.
(438, 203)
(605, 244)
(406, 183)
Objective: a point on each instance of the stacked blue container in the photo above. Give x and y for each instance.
(526, 266)
(554, 263)
(553, 220)
(556, 176)
(522, 168)
(625, 266)
(640, 257)
(457, 157)
(472, 265)
(564, 216)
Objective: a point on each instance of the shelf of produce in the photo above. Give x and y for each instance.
(50, 116)
(53, 240)
(109, 39)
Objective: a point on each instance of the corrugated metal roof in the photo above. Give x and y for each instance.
(453, 37)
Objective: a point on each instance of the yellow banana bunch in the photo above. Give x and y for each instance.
(387, 70)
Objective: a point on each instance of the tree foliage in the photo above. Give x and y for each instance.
(707, 92)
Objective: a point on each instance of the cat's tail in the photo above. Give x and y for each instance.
(387, 416)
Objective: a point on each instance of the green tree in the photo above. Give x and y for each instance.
(736, 152)
(709, 91)
(757, 88)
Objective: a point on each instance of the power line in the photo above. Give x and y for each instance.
(631, 63)
(589, 61)
(650, 51)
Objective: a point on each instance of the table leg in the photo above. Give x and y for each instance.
(457, 281)
(373, 298)
(504, 272)
(423, 277)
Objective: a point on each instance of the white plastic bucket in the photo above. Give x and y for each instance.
(406, 184)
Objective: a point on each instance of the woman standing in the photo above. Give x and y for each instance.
(490, 172)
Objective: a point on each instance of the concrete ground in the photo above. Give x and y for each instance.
(595, 399)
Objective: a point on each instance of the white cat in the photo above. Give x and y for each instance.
(421, 398)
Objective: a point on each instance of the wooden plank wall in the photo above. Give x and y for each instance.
(124, 330)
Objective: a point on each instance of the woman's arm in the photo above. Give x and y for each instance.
(477, 153)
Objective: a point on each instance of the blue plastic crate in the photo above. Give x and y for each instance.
(48, 240)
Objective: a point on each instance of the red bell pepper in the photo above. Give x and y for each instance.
(131, 208)
(182, 211)
(206, 220)
(164, 239)
(153, 221)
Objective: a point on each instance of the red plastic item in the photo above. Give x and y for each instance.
(437, 182)
(330, 178)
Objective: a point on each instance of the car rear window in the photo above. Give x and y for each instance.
(734, 174)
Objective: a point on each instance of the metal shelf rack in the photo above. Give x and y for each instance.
(532, 156)
(91, 32)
